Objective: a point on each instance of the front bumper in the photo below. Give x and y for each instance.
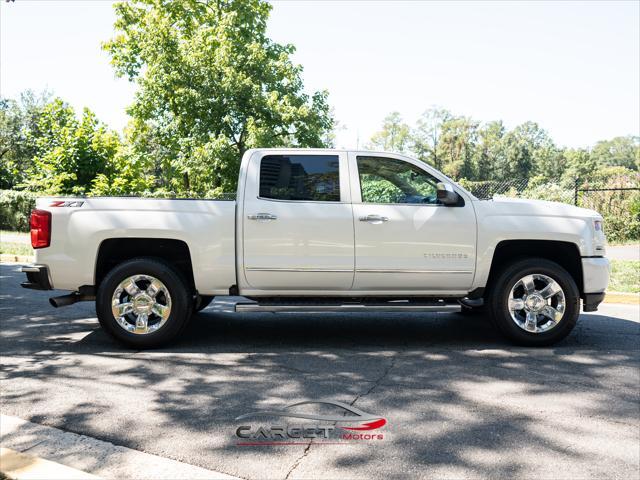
(591, 301)
(37, 277)
(595, 275)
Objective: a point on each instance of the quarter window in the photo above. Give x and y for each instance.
(300, 177)
(388, 180)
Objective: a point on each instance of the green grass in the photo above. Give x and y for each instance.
(11, 232)
(16, 248)
(622, 243)
(625, 276)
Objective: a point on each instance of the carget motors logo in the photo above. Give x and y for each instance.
(345, 425)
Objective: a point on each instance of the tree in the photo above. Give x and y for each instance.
(127, 172)
(457, 147)
(531, 152)
(211, 85)
(69, 153)
(579, 166)
(394, 136)
(18, 131)
(425, 138)
(619, 151)
(490, 157)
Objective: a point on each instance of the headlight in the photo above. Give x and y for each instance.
(598, 237)
(597, 225)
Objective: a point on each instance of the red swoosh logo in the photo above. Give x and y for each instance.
(368, 426)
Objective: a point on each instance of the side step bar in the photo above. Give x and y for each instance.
(392, 306)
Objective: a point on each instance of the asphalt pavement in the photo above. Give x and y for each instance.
(459, 401)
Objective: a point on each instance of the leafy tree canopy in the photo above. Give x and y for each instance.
(621, 151)
(69, 152)
(18, 134)
(394, 135)
(464, 148)
(211, 85)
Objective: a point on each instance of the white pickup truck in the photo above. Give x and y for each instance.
(319, 231)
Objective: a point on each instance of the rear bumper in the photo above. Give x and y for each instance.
(37, 277)
(595, 274)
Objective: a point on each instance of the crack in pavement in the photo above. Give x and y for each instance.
(297, 462)
(376, 383)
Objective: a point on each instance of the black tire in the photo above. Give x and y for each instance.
(499, 310)
(181, 302)
(202, 302)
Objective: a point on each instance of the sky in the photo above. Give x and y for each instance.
(572, 67)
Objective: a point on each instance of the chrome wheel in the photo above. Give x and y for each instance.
(536, 303)
(141, 304)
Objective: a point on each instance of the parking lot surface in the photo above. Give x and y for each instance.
(460, 402)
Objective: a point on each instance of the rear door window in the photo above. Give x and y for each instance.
(300, 177)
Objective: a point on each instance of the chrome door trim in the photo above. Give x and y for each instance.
(376, 270)
(329, 202)
(299, 269)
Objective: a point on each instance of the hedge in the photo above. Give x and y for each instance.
(15, 208)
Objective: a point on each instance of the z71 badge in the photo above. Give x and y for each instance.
(69, 203)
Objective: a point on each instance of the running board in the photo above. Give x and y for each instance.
(391, 306)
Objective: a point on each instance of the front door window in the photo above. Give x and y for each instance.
(388, 180)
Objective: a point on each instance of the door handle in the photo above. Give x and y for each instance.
(374, 219)
(262, 216)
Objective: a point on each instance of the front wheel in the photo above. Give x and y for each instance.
(535, 302)
(143, 302)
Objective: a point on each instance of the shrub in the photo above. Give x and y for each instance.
(15, 208)
(549, 191)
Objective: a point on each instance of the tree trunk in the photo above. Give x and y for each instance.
(185, 181)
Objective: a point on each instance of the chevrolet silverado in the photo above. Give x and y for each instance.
(314, 230)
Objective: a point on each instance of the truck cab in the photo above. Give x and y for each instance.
(346, 223)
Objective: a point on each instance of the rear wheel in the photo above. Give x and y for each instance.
(535, 302)
(143, 302)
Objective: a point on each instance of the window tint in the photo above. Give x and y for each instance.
(300, 177)
(387, 180)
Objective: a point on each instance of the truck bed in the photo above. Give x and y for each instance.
(80, 225)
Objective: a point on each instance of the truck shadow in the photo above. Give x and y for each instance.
(457, 397)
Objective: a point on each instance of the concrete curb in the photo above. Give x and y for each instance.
(90, 455)
(20, 466)
(622, 297)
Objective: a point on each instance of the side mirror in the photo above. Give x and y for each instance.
(446, 194)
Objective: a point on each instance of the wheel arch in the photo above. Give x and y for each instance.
(565, 254)
(113, 251)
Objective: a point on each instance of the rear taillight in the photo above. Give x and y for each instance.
(40, 228)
